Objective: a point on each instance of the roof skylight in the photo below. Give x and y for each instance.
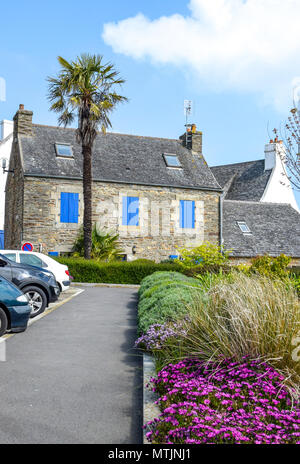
(244, 227)
(64, 150)
(171, 160)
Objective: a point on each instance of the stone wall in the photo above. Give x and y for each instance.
(14, 202)
(157, 235)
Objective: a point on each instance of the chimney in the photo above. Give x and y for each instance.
(23, 122)
(6, 128)
(274, 153)
(192, 139)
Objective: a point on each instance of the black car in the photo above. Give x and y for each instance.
(14, 308)
(39, 285)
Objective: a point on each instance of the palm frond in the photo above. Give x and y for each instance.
(86, 86)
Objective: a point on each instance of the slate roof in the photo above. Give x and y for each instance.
(116, 158)
(275, 229)
(243, 181)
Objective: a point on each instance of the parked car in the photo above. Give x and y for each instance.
(14, 308)
(60, 271)
(39, 285)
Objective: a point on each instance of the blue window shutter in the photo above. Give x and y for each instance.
(64, 207)
(181, 218)
(69, 207)
(124, 212)
(187, 214)
(189, 217)
(73, 207)
(133, 211)
(193, 215)
(130, 213)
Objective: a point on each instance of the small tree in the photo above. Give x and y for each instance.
(292, 143)
(85, 88)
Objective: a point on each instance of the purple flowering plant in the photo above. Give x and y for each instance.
(228, 402)
(158, 335)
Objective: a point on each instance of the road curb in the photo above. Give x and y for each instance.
(150, 409)
(90, 284)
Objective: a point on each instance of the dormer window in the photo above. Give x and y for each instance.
(64, 150)
(243, 226)
(171, 160)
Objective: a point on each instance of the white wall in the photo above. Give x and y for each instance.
(6, 129)
(279, 189)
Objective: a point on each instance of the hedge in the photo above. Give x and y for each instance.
(115, 272)
(165, 297)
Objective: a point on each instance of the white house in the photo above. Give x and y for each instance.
(260, 214)
(6, 138)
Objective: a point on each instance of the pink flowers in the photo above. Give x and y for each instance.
(228, 403)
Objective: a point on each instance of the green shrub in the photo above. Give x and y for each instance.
(171, 304)
(296, 282)
(269, 266)
(143, 261)
(205, 255)
(159, 277)
(117, 272)
(207, 269)
(164, 296)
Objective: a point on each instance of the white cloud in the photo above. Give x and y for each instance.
(248, 46)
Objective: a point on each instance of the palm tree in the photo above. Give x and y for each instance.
(85, 88)
(105, 245)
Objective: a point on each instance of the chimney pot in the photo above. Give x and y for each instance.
(21, 106)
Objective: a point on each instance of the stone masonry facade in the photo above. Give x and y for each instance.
(14, 202)
(156, 237)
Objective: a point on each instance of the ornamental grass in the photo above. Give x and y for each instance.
(245, 316)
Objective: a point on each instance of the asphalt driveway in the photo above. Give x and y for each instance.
(74, 376)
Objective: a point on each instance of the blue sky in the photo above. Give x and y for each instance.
(238, 98)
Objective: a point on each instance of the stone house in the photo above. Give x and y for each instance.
(154, 192)
(157, 194)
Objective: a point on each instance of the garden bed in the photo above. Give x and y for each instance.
(213, 380)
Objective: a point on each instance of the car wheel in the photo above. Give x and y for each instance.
(37, 300)
(3, 322)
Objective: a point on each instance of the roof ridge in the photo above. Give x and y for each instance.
(235, 164)
(111, 133)
(261, 203)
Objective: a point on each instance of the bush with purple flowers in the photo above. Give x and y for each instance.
(227, 402)
(158, 335)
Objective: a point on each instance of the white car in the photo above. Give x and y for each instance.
(60, 271)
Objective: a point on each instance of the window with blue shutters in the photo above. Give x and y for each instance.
(69, 207)
(187, 214)
(130, 213)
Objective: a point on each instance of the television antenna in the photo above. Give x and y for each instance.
(188, 106)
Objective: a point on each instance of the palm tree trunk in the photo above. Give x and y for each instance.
(87, 199)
